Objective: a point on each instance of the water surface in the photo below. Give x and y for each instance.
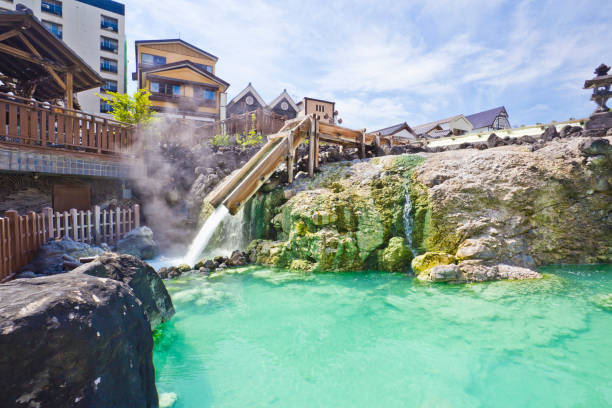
(264, 338)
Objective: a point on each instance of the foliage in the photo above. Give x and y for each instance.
(252, 137)
(220, 140)
(133, 109)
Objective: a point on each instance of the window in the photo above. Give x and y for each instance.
(108, 65)
(105, 107)
(109, 85)
(284, 106)
(51, 6)
(148, 59)
(56, 29)
(249, 100)
(109, 23)
(109, 44)
(203, 93)
(164, 88)
(205, 67)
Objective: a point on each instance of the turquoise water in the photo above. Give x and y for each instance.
(262, 338)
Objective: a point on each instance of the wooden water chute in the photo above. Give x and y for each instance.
(281, 147)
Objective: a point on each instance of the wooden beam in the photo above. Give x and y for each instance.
(311, 147)
(69, 99)
(35, 52)
(363, 144)
(9, 34)
(290, 157)
(7, 49)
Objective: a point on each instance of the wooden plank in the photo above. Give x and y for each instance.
(48, 212)
(311, 148)
(82, 220)
(3, 118)
(290, 158)
(13, 121)
(97, 229)
(136, 215)
(10, 34)
(104, 229)
(58, 225)
(61, 128)
(75, 224)
(118, 223)
(66, 227)
(89, 227)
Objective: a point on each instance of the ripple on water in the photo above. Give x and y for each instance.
(266, 337)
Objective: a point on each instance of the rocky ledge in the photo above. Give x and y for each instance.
(497, 213)
(82, 338)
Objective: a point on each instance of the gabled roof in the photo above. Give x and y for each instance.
(186, 64)
(485, 118)
(280, 97)
(246, 90)
(436, 134)
(179, 41)
(391, 130)
(426, 128)
(22, 34)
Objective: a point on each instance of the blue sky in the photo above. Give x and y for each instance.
(385, 62)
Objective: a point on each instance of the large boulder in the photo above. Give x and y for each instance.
(428, 260)
(73, 340)
(138, 275)
(56, 256)
(396, 256)
(138, 242)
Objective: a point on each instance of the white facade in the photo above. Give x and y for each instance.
(81, 26)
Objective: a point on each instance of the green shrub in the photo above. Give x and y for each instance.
(252, 137)
(220, 140)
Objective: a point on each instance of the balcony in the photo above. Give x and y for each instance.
(51, 7)
(108, 67)
(109, 47)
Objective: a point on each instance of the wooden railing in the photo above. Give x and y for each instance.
(22, 235)
(266, 123)
(25, 122)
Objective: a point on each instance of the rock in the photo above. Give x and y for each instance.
(527, 139)
(183, 268)
(238, 258)
(52, 256)
(428, 260)
(222, 266)
(475, 249)
(163, 273)
(321, 218)
(516, 272)
(494, 141)
(476, 271)
(595, 147)
(396, 256)
(440, 273)
(75, 341)
(138, 242)
(549, 134)
(138, 275)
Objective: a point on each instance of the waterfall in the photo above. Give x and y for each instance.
(228, 237)
(204, 235)
(408, 221)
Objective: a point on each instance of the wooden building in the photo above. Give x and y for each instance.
(181, 78)
(284, 105)
(400, 132)
(492, 119)
(248, 100)
(325, 110)
(455, 125)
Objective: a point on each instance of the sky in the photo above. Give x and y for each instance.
(386, 62)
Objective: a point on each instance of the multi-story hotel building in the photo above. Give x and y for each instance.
(94, 30)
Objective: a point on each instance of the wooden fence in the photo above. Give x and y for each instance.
(32, 123)
(22, 235)
(266, 123)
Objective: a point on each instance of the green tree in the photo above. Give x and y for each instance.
(133, 109)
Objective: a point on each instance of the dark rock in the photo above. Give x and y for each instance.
(595, 147)
(163, 273)
(549, 134)
(138, 242)
(527, 139)
(238, 258)
(220, 259)
(395, 150)
(52, 256)
(138, 275)
(494, 141)
(74, 340)
(222, 266)
(27, 275)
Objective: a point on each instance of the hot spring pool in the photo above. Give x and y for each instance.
(263, 338)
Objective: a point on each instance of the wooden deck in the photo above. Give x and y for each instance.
(40, 126)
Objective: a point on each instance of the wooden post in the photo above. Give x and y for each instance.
(69, 91)
(48, 212)
(136, 215)
(363, 144)
(15, 232)
(97, 230)
(290, 158)
(311, 147)
(82, 219)
(316, 138)
(75, 228)
(118, 221)
(89, 238)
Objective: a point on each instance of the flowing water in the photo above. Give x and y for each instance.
(199, 243)
(271, 338)
(408, 222)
